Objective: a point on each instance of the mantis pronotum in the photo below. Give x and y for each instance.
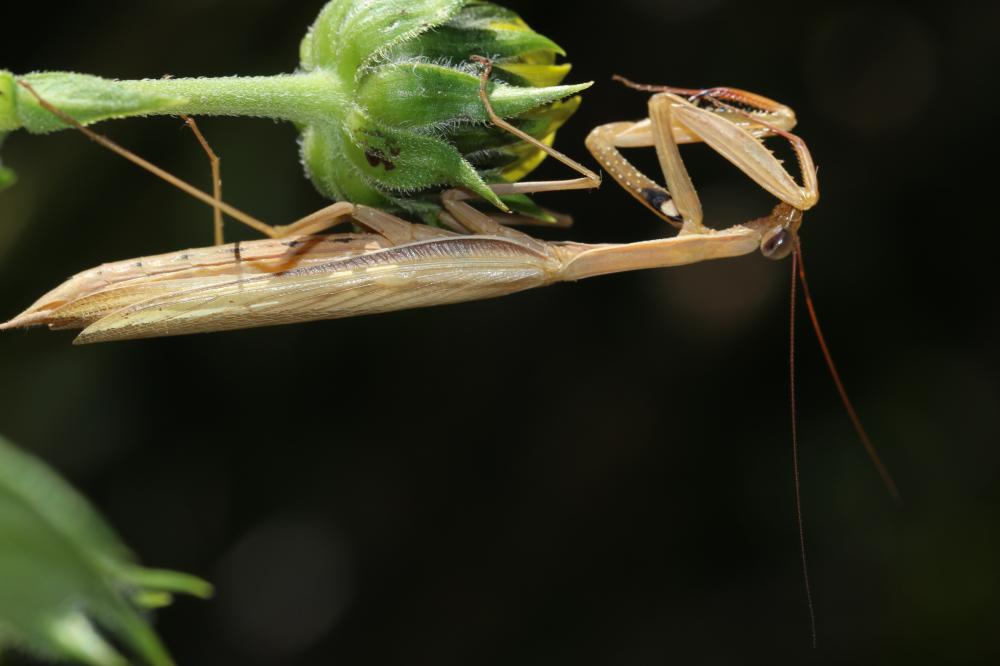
(297, 276)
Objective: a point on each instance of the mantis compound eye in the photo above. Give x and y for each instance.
(778, 243)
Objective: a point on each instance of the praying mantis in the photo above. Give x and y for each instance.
(301, 273)
(296, 276)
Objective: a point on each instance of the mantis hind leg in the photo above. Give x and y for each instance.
(460, 215)
(215, 163)
(394, 229)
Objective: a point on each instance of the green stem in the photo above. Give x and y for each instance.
(305, 98)
(300, 98)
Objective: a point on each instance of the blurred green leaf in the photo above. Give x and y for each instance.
(64, 572)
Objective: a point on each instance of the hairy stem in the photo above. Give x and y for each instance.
(301, 98)
(304, 98)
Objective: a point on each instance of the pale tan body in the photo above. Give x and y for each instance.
(329, 277)
(402, 266)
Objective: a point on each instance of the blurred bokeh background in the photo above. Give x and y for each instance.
(596, 473)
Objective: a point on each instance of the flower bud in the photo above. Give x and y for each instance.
(413, 121)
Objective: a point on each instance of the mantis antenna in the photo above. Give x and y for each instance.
(797, 477)
(883, 471)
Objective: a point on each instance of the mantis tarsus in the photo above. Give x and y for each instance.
(394, 265)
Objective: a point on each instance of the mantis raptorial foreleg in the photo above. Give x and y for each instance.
(746, 152)
(774, 114)
(685, 198)
(734, 133)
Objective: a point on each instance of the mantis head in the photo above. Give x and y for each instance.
(780, 231)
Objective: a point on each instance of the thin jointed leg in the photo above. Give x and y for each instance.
(588, 180)
(215, 163)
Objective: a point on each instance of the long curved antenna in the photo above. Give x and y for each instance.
(883, 471)
(795, 455)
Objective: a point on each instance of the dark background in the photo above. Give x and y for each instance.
(596, 473)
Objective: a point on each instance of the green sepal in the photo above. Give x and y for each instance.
(482, 29)
(87, 99)
(451, 44)
(336, 177)
(481, 141)
(480, 15)
(346, 38)
(512, 161)
(400, 161)
(419, 94)
(331, 173)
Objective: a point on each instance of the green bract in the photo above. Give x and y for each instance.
(386, 98)
(63, 570)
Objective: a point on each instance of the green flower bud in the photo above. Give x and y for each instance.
(416, 121)
(387, 100)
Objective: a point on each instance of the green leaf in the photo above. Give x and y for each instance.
(57, 503)
(88, 99)
(63, 570)
(419, 94)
